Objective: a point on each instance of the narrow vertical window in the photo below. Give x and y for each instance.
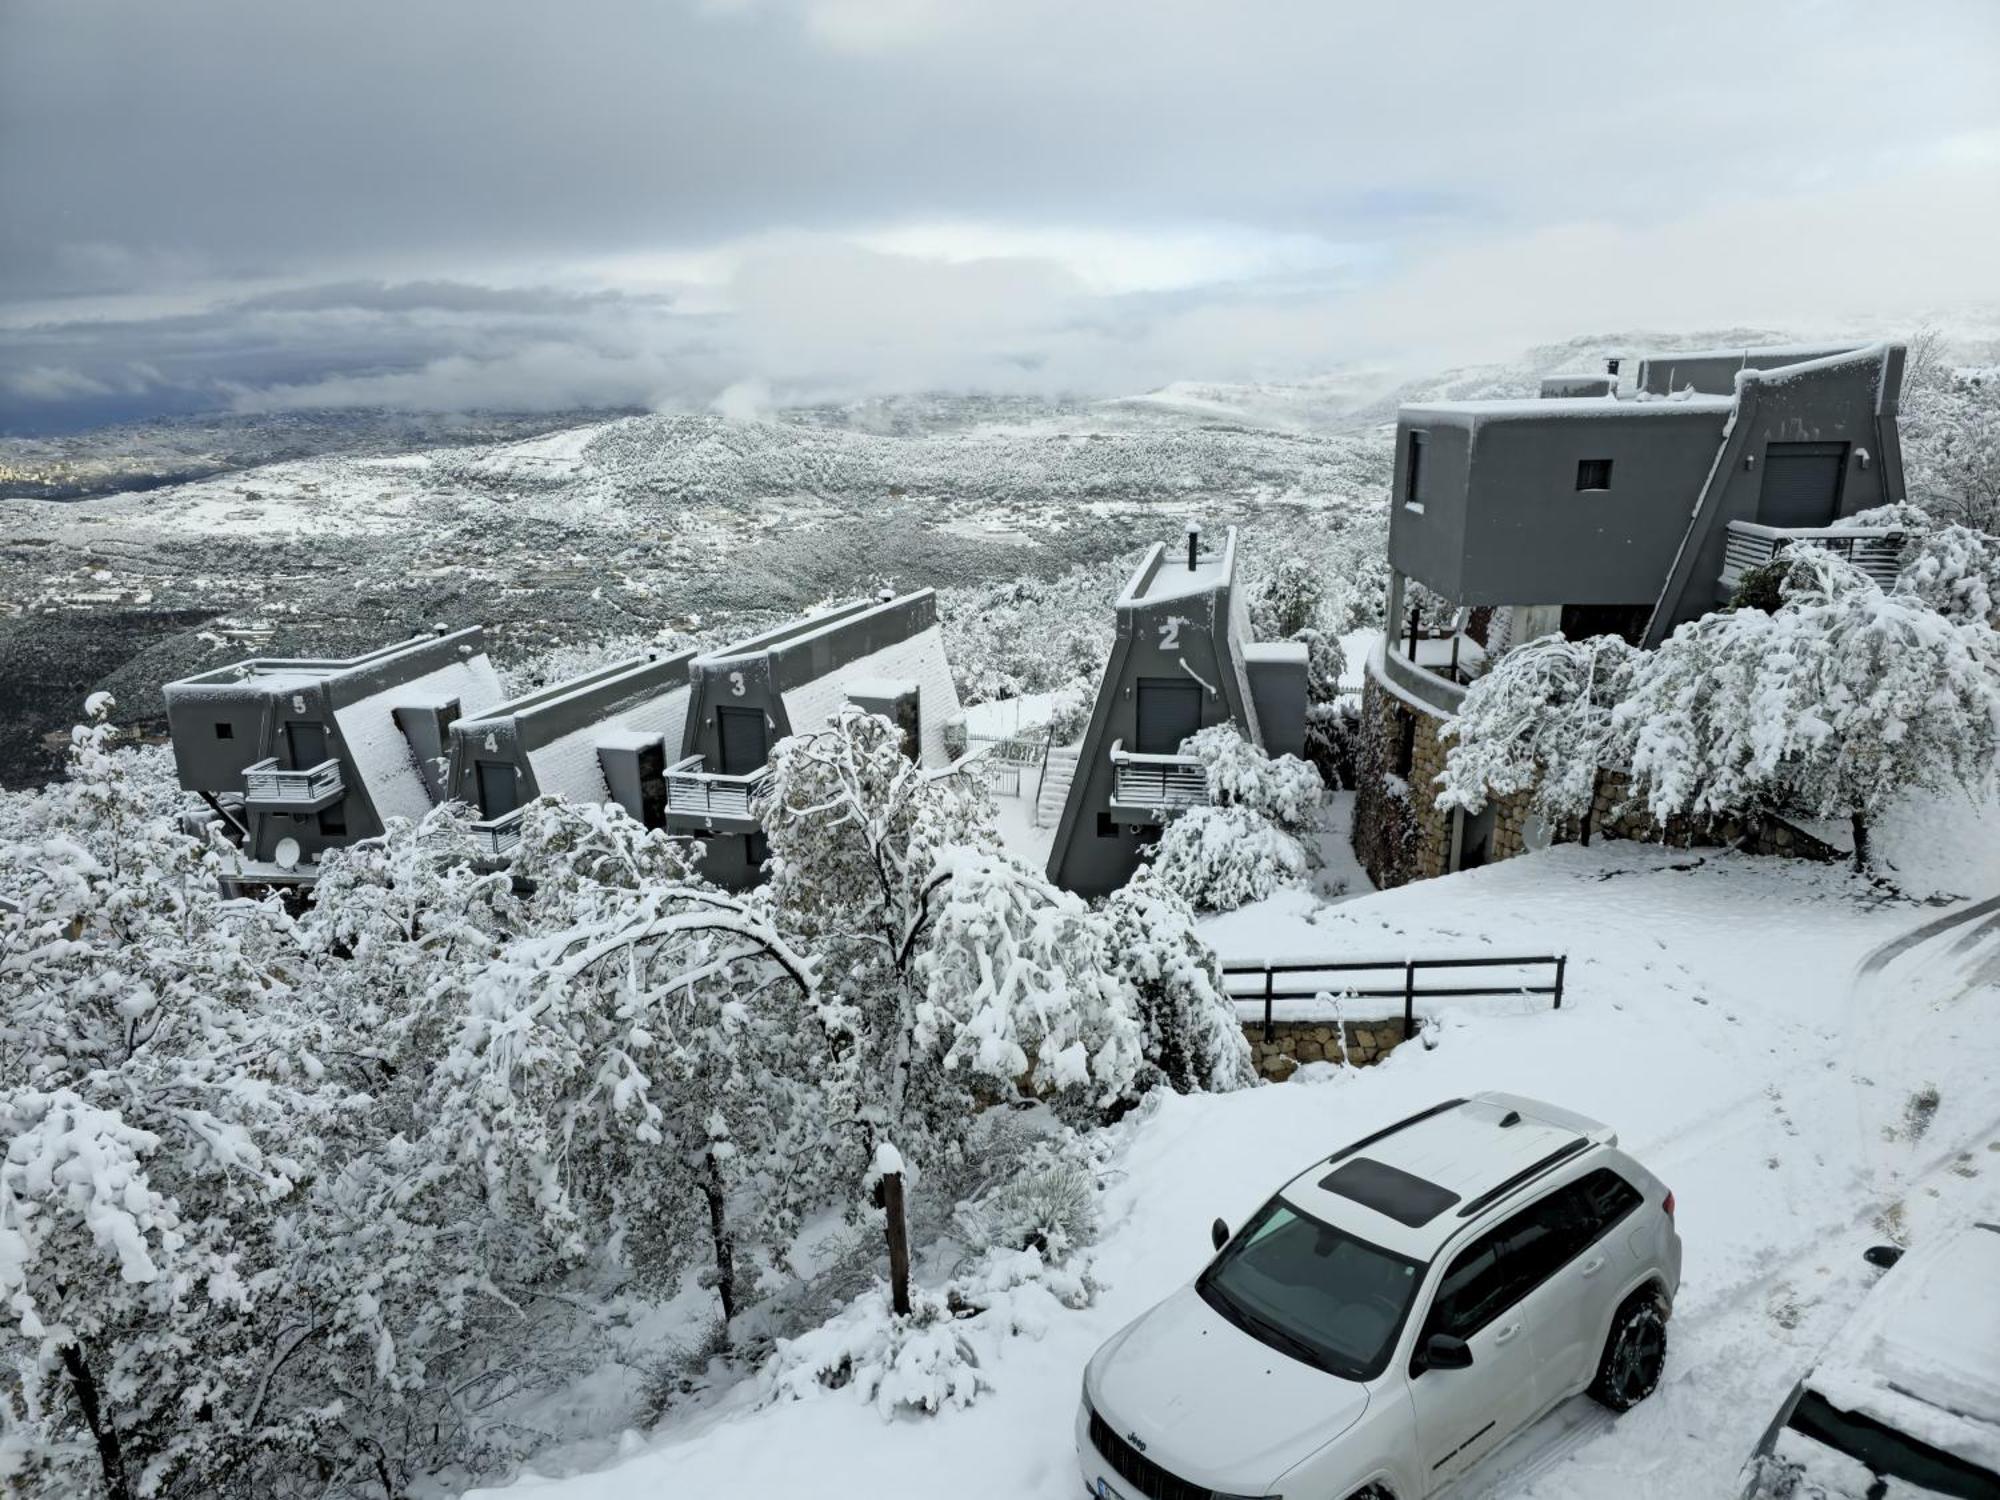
(1413, 471)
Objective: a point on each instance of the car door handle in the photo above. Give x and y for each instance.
(1594, 1266)
(1506, 1334)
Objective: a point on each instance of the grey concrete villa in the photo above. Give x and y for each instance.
(603, 736)
(884, 655)
(298, 755)
(1182, 660)
(1600, 508)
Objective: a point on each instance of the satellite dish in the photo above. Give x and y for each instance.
(286, 854)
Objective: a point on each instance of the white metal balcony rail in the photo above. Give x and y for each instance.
(496, 838)
(709, 794)
(1166, 783)
(1751, 545)
(266, 784)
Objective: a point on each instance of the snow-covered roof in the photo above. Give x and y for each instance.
(1766, 353)
(1837, 359)
(1164, 573)
(279, 673)
(879, 687)
(1536, 408)
(375, 741)
(793, 631)
(1923, 1354)
(1287, 651)
(569, 766)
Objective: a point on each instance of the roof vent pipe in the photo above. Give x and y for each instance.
(1611, 365)
(1194, 543)
(885, 594)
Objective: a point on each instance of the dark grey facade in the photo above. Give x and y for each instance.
(604, 736)
(298, 755)
(1182, 660)
(884, 655)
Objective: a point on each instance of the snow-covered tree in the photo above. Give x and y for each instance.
(1539, 721)
(1190, 1033)
(1950, 427)
(1020, 989)
(1840, 700)
(163, 1101)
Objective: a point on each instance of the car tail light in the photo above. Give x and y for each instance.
(1669, 1204)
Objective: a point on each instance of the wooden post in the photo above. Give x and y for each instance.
(889, 1194)
(1409, 998)
(1562, 962)
(1270, 1031)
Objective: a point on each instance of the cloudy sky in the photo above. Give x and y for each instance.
(543, 203)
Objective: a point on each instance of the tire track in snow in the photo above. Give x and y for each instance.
(1705, 1328)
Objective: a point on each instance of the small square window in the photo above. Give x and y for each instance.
(1106, 828)
(225, 731)
(1593, 473)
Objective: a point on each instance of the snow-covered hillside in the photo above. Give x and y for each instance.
(1805, 1061)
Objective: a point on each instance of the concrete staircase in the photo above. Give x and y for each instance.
(1056, 777)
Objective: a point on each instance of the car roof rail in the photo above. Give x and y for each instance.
(1526, 1175)
(1389, 1130)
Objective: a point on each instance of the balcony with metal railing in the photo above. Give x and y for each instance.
(496, 838)
(702, 799)
(1151, 788)
(268, 787)
(1750, 545)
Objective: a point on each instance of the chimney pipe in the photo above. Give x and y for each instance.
(1611, 365)
(1194, 543)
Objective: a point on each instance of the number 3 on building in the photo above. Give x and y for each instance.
(1170, 633)
(736, 684)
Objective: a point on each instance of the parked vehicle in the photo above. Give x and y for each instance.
(1905, 1402)
(1395, 1313)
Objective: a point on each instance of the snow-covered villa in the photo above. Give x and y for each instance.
(885, 655)
(298, 755)
(1600, 508)
(601, 736)
(1182, 660)
(295, 757)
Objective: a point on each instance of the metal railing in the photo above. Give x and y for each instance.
(1750, 545)
(1163, 782)
(1268, 976)
(267, 783)
(496, 838)
(709, 794)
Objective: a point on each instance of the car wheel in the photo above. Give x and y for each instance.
(1634, 1355)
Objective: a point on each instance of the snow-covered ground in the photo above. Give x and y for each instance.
(1767, 1035)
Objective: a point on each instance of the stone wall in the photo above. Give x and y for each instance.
(1401, 834)
(1295, 1043)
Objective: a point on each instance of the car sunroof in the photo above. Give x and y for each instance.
(1389, 1190)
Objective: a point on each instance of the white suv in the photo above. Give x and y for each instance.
(1393, 1315)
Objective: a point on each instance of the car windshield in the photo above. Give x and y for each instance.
(1313, 1291)
(1887, 1453)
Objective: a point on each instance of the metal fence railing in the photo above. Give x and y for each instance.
(1267, 986)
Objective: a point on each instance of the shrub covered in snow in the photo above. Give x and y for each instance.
(1247, 843)
(1191, 1036)
(949, 1350)
(1220, 858)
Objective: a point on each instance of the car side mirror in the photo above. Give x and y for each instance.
(1219, 1233)
(1446, 1351)
(1884, 1256)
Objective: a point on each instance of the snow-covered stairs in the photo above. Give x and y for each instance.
(1056, 777)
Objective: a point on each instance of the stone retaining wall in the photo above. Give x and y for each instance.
(1295, 1043)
